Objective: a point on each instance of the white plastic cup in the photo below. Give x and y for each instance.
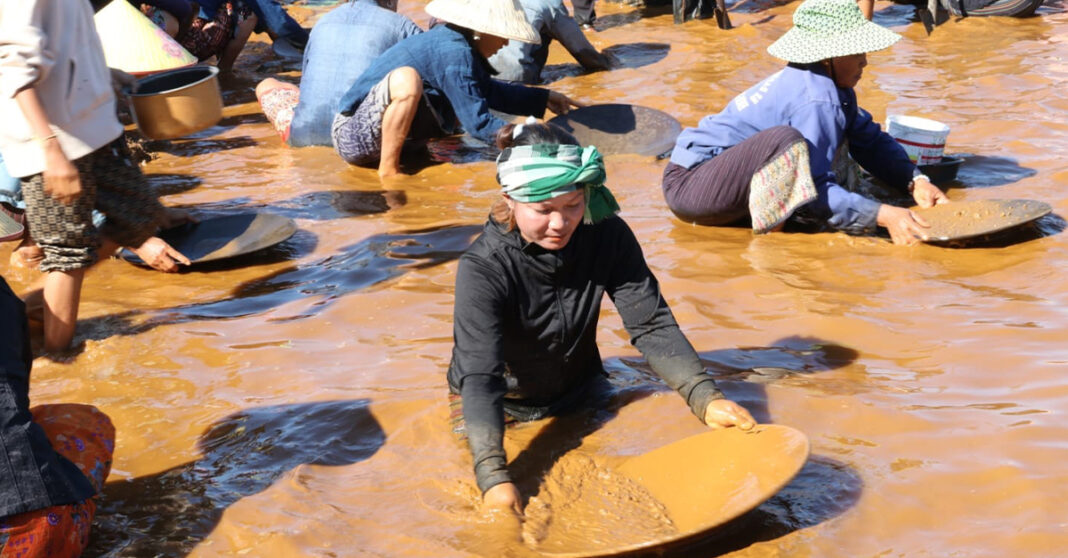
(923, 139)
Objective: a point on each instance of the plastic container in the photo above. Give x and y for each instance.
(923, 139)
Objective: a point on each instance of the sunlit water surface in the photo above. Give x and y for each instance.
(292, 403)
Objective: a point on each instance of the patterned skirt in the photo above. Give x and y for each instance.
(86, 437)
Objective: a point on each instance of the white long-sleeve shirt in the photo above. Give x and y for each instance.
(52, 46)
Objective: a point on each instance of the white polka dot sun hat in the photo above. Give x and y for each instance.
(827, 29)
(502, 18)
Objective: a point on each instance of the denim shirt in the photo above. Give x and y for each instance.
(807, 99)
(523, 62)
(342, 45)
(450, 67)
(32, 475)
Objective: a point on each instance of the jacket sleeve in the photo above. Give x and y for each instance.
(24, 55)
(878, 152)
(471, 92)
(477, 368)
(823, 125)
(565, 29)
(653, 329)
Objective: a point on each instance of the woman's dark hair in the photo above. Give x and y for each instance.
(531, 134)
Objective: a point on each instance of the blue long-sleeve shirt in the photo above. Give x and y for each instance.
(343, 44)
(806, 98)
(451, 68)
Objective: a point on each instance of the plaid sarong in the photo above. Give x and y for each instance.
(780, 187)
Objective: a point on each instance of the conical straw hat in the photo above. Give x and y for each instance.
(10, 226)
(132, 43)
(502, 18)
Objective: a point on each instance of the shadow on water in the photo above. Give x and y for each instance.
(239, 119)
(824, 488)
(357, 267)
(169, 184)
(984, 171)
(323, 205)
(640, 11)
(625, 55)
(192, 145)
(171, 512)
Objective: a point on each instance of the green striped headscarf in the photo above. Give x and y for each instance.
(534, 173)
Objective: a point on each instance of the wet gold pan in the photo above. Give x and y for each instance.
(225, 237)
(707, 480)
(969, 219)
(619, 128)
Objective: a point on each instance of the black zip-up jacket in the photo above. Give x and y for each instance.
(33, 476)
(525, 328)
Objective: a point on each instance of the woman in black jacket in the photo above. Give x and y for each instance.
(528, 295)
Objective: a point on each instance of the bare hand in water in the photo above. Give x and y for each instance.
(927, 194)
(723, 413)
(905, 226)
(504, 496)
(559, 103)
(160, 256)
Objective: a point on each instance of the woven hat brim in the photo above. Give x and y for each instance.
(802, 48)
(134, 44)
(519, 28)
(10, 229)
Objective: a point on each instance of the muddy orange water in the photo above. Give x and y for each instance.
(292, 404)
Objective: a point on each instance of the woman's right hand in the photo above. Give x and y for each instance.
(905, 226)
(61, 179)
(503, 496)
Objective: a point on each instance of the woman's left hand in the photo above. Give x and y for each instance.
(723, 413)
(559, 103)
(927, 194)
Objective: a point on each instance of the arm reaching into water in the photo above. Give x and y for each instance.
(656, 334)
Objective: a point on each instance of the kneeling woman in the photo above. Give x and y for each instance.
(774, 149)
(528, 295)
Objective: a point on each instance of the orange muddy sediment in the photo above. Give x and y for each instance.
(930, 382)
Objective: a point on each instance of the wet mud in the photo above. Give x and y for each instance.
(291, 402)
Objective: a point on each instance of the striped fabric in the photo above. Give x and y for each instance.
(780, 187)
(534, 173)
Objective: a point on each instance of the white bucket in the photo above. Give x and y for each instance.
(924, 140)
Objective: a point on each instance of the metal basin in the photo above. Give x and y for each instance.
(177, 103)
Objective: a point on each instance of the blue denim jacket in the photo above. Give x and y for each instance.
(826, 115)
(342, 45)
(32, 475)
(450, 67)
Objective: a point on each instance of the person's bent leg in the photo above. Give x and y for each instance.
(278, 100)
(405, 93)
(62, 292)
(585, 12)
(236, 44)
(278, 23)
(68, 239)
(717, 191)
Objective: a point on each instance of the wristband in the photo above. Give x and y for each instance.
(44, 139)
(912, 183)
